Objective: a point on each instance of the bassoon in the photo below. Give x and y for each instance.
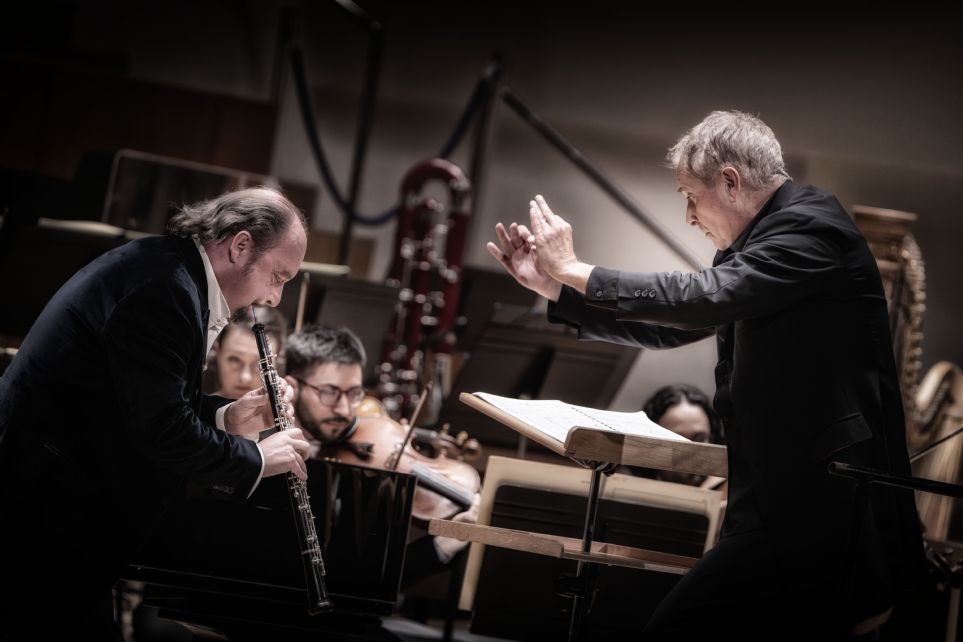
(429, 244)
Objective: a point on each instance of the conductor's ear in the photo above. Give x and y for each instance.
(732, 181)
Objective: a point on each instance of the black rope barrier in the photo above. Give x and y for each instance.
(478, 96)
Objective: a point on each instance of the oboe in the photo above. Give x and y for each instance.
(311, 559)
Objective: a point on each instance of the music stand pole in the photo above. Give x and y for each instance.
(581, 599)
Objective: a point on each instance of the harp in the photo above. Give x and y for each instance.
(933, 402)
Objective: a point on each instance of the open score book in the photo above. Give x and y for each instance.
(556, 418)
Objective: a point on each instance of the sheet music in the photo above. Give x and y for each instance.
(556, 418)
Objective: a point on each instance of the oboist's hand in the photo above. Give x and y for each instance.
(285, 452)
(554, 247)
(252, 413)
(516, 253)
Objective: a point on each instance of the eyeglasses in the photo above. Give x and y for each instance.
(330, 395)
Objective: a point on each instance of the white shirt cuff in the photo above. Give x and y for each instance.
(219, 417)
(259, 475)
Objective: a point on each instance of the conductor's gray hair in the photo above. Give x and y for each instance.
(730, 138)
(265, 213)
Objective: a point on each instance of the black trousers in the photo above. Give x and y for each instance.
(751, 588)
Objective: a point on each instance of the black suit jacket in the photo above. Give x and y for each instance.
(806, 374)
(101, 413)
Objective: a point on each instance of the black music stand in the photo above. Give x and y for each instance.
(366, 307)
(64, 247)
(231, 565)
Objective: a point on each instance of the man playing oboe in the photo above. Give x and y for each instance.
(102, 417)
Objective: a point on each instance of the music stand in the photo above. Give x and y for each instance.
(483, 292)
(191, 557)
(65, 247)
(526, 496)
(532, 359)
(366, 307)
(142, 190)
(599, 450)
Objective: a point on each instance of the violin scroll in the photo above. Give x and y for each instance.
(435, 443)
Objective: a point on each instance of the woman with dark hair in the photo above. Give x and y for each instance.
(672, 403)
(687, 411)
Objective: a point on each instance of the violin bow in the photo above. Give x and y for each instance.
(415, 415)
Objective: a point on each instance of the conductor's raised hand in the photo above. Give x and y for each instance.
(285, 452)
(516, 252)
(554, 247)
(553, 238)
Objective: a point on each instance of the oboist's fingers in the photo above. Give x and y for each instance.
(300, 468)
(302, 450)
(287, 392)
(298, 441)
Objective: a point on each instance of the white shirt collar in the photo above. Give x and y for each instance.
(216, 303)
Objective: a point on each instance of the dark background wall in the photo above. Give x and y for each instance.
(865, 100)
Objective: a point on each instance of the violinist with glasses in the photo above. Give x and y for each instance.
(325, 368)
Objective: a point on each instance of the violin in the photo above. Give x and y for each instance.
(430, 442)
(445, 486)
